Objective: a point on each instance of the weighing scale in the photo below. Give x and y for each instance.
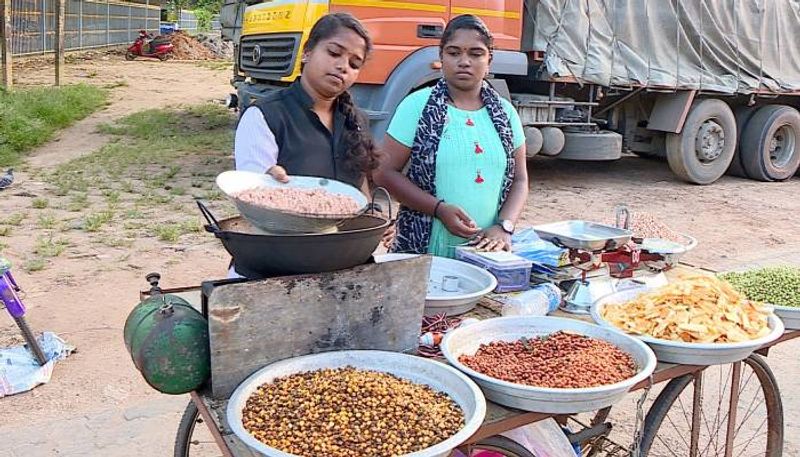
(606, 259)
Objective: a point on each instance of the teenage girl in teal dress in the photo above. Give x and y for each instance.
(467, 176)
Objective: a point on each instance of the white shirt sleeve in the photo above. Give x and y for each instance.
(255, 148)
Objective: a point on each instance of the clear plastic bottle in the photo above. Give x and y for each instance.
(539, 300)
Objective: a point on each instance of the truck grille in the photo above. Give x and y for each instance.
(269, 56)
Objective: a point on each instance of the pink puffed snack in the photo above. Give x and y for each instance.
(305, 201)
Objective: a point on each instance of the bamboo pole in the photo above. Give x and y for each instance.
(5, 42)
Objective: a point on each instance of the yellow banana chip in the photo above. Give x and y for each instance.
(697, 309)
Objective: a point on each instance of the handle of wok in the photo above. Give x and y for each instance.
(212, 221)
(388, 198)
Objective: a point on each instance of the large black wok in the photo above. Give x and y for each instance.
(257, 254)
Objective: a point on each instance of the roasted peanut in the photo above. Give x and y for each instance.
(559, 360)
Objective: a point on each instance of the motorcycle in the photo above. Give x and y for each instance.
(145, 45)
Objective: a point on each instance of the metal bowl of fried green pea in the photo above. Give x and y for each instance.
(778, 286)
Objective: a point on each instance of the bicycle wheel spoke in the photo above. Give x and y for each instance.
(720, 395)
(680, 435)
(750, 441)
(685, 415)
(720, 418)
(667, 446)
(750, 411)
(744, 384)
(712, 437)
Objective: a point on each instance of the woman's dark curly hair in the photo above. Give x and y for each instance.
(359, 145)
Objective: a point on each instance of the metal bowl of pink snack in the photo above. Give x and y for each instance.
(303, 205)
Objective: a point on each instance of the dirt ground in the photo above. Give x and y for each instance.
(97, 404)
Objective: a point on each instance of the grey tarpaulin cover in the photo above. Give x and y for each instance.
(717, 45)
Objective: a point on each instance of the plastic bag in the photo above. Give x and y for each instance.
(543, 438)
(19, 370)
(527, 244)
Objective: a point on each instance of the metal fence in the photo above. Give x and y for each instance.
(87, 24)
(188, 22)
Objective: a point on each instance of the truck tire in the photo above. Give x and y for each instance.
(770, 143)
(533, 141)
(703, 151)
(592, 146)
(742, 115)
(552, 141)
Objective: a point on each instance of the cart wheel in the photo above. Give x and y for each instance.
(192, 440)
(728, 410)
(130, 56)
(498, 444)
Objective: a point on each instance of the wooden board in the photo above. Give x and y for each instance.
(253, 324)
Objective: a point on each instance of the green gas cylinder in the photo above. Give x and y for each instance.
(168, 342)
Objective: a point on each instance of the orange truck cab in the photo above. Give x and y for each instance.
(270, 35)
(589, 79)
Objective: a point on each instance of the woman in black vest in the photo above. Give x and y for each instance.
(312, 128)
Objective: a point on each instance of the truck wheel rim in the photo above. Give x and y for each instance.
(710, 141)
(782, 146)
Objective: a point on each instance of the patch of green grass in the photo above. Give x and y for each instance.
(214, 194)
(148, 147)
(168, 232)
(34, 264)
(94, 222)
(171, 232)
(47, 221)
(78, 202)
(67, 181)
(40, 203)
(3, 246)
(133, 214)
(115, 241)
(15, 219)
(5, 230)
(133, 225)
(172, 171)
(159, 124)
(177, 191)
(126, 186)
(30, 117)
(49, 247)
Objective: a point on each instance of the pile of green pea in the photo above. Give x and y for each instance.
(773, 285)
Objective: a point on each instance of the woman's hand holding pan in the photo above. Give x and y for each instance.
(279, 173)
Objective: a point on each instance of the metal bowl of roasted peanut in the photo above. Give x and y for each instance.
(549, 364)
(356, 403)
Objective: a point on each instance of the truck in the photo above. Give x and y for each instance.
(711, 86)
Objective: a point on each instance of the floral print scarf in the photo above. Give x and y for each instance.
(414, 227)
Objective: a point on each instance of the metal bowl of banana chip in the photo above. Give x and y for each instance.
(698, 320)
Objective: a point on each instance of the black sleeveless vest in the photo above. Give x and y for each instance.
(305, 146)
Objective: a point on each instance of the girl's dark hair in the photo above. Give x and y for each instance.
(360, 148)
(467, 22)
